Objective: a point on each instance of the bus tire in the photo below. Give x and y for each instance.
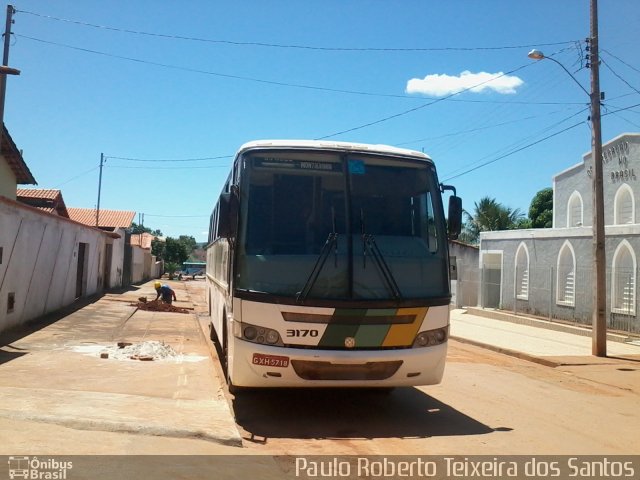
(233, 390)
(212, 333)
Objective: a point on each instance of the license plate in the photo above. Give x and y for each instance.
(270, 360)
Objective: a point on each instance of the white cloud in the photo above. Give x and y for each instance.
(440, 85)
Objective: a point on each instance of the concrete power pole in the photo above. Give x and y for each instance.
(99, 190)
(5, 62)
(599, 338)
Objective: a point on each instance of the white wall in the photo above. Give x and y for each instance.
(117, 260)
(40, 261)
(7, 180)
(137, 264)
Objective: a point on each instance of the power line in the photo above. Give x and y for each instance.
(202, 159)
(619, 77)
(518, 143)
(269, 82)
(626, 120)
(531, 145)
(514, 152)
(166, 168)
(406, 112)
(620, 60)
(473, 130)
(291, 46)
(176, 216)
(77, 176)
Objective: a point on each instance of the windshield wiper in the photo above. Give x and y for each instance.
(369, 243)
(332, 241)
(378, 258)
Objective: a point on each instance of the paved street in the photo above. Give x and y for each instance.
(54, 385)
(528, 390)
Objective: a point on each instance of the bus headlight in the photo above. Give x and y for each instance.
(250, 332)
(430, 338)
(272, 337)
(254, 334)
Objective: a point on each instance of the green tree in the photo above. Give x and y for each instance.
(489, 215)
(189, 242)
(175, 251)
(541, 209)
(135, 228)
(158, 248)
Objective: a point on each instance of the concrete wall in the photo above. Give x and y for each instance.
(465, 278)
(157, 268)
(7, 180)
(116, 271)
(39, 266)
(543, 247)
(137, 264)
(144, 265)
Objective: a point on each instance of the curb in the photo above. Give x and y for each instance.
(580, 330)
(120, 427)
(506, 351)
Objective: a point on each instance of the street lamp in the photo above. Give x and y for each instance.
(599, 337)
(538, 55)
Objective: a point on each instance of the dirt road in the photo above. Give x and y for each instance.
(487, 404)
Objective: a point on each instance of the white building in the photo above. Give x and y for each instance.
(548, 272)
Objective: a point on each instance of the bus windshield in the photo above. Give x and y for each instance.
(342, 226)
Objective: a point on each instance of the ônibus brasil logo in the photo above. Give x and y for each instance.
(38, 469)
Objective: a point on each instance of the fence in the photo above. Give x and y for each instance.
(559, 293)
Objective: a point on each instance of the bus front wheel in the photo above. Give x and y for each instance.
(233, 390)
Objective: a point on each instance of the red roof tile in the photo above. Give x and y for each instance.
(45, 199)
(108, 218)
(38, 193)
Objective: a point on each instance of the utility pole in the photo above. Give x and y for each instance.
(599, 338)
(99, 189)
(5, 63)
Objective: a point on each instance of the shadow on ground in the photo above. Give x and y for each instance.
(18, 332)
(350, 414)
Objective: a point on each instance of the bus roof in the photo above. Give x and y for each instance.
(336, 146)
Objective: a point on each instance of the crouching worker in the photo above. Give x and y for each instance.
(167, 293)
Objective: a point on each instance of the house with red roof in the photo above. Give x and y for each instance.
(139, 264)
(103, 219)
(47, 200)
(48, 259)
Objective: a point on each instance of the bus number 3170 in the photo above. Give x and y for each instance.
(302, 333)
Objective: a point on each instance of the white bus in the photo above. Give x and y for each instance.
(328, 266)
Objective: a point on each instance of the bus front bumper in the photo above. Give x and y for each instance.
(256, 365)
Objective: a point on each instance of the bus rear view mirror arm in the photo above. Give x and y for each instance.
(454, 219)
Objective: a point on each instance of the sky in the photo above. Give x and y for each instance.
(168, 91)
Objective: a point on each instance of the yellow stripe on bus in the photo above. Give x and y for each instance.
(404, 334)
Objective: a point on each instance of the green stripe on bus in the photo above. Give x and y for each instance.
(350, 312)
(335, 334)
(371, 335)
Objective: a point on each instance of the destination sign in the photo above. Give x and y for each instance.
(290, 164)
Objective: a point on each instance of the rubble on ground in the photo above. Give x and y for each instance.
(149, 350)
(157, 306)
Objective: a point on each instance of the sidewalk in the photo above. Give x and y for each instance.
(54, 376)
(546, 346)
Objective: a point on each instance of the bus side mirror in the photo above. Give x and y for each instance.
(228, 214)
(455, 217)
